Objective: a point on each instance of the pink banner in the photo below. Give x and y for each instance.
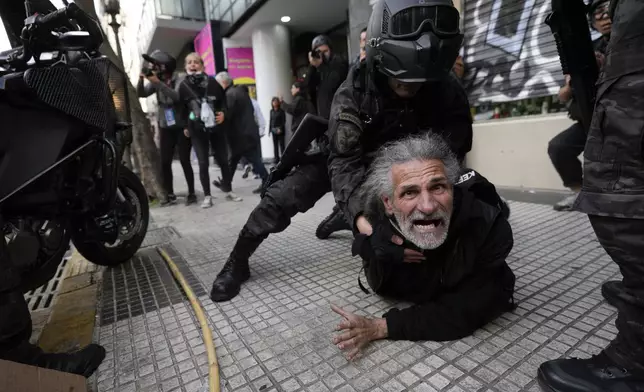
(240, 65)
(203, 46)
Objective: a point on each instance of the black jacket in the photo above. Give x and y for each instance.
(600, 45)
(463, 285)
(324, 81)
(278, 120)
(193, 88)
(241, 129)
(167, 98)
(299, 108)
(361, 123)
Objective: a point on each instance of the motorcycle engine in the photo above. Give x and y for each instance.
(26, 239)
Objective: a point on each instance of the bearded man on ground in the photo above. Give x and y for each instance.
(432, 241)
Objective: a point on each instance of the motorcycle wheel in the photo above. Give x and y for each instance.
(132, 230)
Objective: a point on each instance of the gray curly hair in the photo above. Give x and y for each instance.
(379, 181)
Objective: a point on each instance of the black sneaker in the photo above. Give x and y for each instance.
(229, 280)
(597, 374)
(191, 199)
(172, 197)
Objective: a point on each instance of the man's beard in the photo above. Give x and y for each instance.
(425, 231)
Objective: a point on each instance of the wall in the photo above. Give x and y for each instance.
(514, 152)
(359, 13)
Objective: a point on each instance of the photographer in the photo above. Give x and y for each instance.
(158, 71)
(325, 75)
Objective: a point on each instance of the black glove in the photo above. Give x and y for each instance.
(378, 246)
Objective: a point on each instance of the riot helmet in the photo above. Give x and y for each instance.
(162, 61)
(413, 41)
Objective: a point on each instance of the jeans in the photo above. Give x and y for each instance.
(564, 150)
(202, 141)
(279, 144)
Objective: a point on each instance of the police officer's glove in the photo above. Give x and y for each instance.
(378, 245)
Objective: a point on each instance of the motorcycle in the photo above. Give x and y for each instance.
(61, 174)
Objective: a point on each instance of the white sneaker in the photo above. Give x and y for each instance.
(207, 202)
(233, 197)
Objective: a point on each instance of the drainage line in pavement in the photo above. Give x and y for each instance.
(213, 366)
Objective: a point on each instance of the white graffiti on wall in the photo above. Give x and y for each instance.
(509, 51)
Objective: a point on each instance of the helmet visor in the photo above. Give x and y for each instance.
(411, 22)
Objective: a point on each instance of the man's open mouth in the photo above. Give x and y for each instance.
(427, 224)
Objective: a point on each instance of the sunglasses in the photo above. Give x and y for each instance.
(601, 12)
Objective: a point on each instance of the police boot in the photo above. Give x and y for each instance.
(236, 270)
(83, 362)
(15, 330)
(597, 374)
(331, 224)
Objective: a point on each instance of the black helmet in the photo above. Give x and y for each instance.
(413, 40)
(319, 41)
(162, 59)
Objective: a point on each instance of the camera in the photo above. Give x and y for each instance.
(149, 71)
(316, 54)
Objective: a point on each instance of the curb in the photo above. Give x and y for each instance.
(73, 314)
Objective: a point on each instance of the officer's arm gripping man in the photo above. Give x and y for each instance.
(346, 169)
(477, 300)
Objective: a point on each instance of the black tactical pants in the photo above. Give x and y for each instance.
(622, 239)
(297, 193)
(564, 150)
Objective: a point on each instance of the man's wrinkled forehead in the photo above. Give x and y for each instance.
(418, 172)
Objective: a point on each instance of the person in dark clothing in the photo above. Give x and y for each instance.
(326, 73)
(363, 52)
(448, 254)
(205, 99)
(241, 129)
(440, 103)
(613, 196)
(172, 121)
(565, 148)
(299, 107)
(277, 128)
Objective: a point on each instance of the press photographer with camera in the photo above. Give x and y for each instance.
(158, 70)
(325, 75)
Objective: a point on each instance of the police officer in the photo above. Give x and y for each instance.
(405, 85)
(373, 104)
(613, 197)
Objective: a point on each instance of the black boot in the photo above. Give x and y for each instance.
(597, 374)
(331, 224)
(236, 270)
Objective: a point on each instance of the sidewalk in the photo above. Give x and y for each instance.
(276, 335)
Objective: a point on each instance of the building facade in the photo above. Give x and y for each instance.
(512, 67)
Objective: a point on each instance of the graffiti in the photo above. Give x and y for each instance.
(509, 52)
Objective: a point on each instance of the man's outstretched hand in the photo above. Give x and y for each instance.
(357, 332)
